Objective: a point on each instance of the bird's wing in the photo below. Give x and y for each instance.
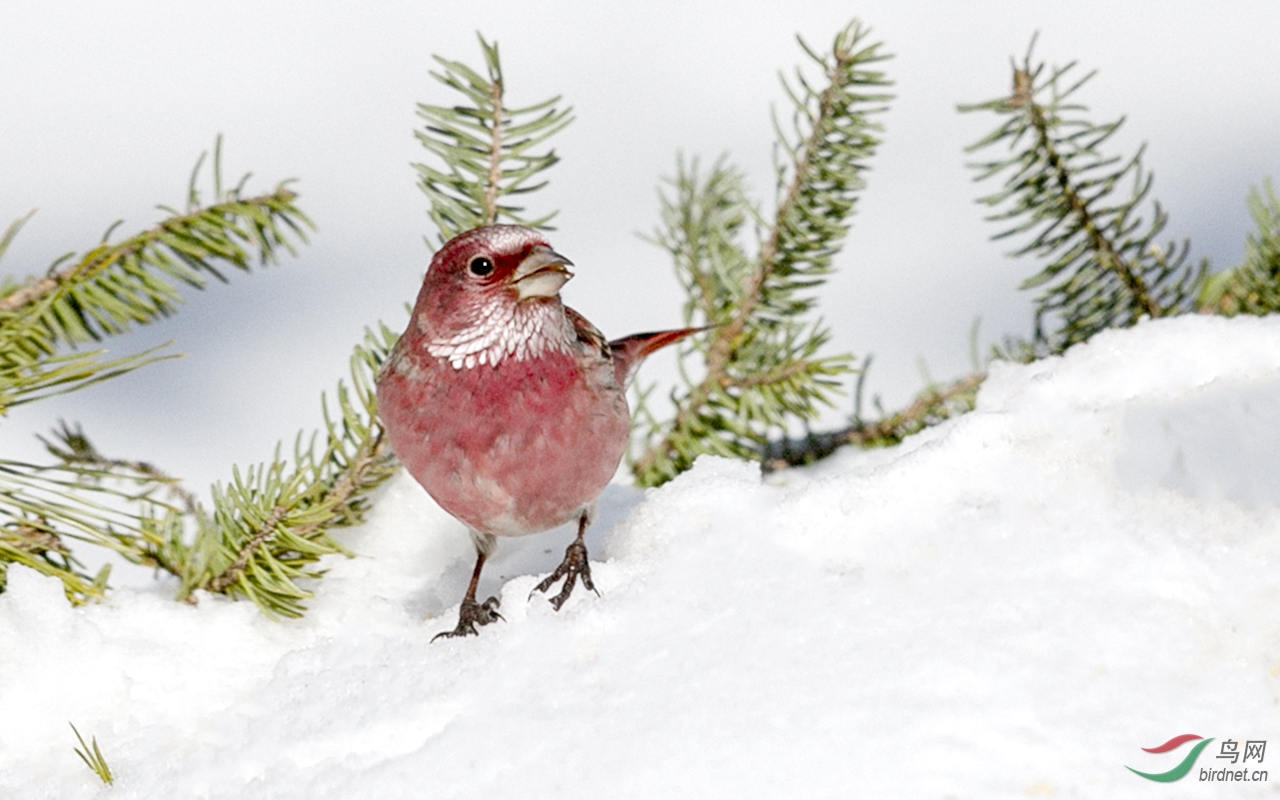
(589, 335)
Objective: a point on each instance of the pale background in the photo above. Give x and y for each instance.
(105, 107)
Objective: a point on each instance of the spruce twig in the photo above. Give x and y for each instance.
(271, 523)
(71, 446)
(1253, 287)
(33, 543)
(1105, 268)
(932, 406)
(763, 370)
(115, 286)
(106, 291)
(488, 149)
(265, 529)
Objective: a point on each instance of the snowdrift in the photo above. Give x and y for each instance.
(1012, 604)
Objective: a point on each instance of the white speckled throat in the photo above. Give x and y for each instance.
(517, 330)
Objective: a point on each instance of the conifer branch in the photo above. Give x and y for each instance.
(762, 369)
(152, 535)
(1253, 287)
(487, 149)
(41, 508)
(1105, 268)
(265, 529)
(73, 449)
(183, 247)
(36, 546)
(495, 149)
(116, 503)
(1075, 204)
(117, 285)
(272, 523)
(932, 406)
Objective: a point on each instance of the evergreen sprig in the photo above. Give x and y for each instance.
(1105, 266)
(43, 509)
(489, 151)
(763, 368)
(933, 405)
(270, 524)
(1254, 286)
(114, 286)
(266, 529)
(85, 298)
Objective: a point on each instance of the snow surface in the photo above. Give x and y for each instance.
(1011, 604)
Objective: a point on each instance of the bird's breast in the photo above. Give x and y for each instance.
(512, 448)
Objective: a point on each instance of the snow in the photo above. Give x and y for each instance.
(1011, 604)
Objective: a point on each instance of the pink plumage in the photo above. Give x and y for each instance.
(507, 406)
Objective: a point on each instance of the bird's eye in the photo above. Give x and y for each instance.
(480, 266)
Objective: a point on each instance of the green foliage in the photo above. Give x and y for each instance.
(44, 509)
(114, 286)
(933, 405)
(268, 527)
(1105, 268)
(763, 368)
(1254, 286)
(489, 150)
(84, 298)
(92, 756)
(270, 524)
(1080, 207)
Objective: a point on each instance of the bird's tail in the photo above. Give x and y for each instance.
(629, 351)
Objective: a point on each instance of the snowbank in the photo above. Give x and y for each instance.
(1012, 604)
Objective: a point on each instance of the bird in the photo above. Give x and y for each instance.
(507, 406)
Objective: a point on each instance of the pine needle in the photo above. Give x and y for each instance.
(484, 150)
(92, 756)
(1063, 190)
(763, 368)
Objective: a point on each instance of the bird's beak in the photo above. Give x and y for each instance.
(541, 274)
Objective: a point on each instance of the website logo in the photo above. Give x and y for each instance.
(1254, 751)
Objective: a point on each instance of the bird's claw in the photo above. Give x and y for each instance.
(471, 614)
(574, 567)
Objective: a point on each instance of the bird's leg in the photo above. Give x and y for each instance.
(472, 613)
(574, 567)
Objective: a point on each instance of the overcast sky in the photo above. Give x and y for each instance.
(105, 108)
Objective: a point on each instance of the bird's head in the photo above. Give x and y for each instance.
(496, 264)
(488, 287)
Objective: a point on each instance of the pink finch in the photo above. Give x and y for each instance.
(506, 405)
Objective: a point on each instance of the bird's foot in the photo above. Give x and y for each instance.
(472, 614)
(574, 567)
